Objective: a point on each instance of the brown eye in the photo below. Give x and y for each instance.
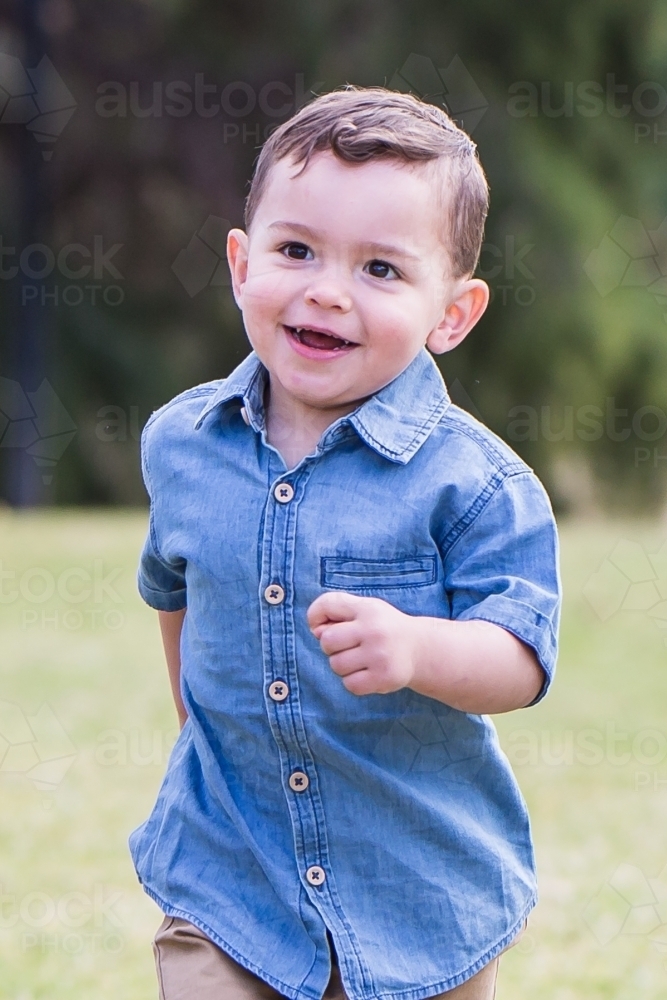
(295, 251)
(380, 269)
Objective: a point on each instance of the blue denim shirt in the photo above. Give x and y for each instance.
(291, 805)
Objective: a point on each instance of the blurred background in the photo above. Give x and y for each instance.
(128, 133)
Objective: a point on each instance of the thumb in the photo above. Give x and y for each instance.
(332, 606)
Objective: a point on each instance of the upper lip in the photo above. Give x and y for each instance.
(319, 329)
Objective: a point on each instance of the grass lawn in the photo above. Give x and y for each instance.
(86, 725)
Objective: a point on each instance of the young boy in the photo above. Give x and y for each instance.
(368, 573)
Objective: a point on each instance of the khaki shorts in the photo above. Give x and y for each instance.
(191, 967)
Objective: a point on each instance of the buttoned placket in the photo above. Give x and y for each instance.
(282, 697)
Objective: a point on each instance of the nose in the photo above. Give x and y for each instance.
(328, 293)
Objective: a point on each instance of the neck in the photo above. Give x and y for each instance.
(294, 427)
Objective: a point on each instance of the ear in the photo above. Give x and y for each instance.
(471, 297)
(237, 258)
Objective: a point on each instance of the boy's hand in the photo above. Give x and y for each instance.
(370, 643)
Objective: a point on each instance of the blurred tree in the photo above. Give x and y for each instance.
(567, 103)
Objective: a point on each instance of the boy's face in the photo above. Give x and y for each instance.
(344, 277)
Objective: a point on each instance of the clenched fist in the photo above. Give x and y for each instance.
(370, 643)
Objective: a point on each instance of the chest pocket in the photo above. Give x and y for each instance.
(348, 573)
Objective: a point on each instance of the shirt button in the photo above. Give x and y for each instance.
(274, 593)
(283, 493)
(278, 690)
(298, 781)
(245, 415)
(315, 875)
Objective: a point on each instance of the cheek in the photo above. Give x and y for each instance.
(396, 327)
(266, 290)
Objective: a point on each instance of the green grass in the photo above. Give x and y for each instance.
(74, 924)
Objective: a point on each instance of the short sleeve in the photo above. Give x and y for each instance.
(160, 582)
(503, 568)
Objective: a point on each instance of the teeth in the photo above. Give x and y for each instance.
(304, 329)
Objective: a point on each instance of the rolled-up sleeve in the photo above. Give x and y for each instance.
(502, 567)
(160, 582)
(162, 585)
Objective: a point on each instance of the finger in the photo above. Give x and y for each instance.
(333, 606)
(348, 661)
(360, 682)
(339, 636)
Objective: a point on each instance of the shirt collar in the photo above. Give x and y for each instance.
(395, 421)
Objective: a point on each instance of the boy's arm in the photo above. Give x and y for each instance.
(171, 624)
(474, 666)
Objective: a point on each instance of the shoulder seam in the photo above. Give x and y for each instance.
(496, 482)
(195, 392)
(486, 441)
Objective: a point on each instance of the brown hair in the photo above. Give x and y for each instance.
(361, 123)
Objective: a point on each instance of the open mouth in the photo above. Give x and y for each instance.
(318, 340)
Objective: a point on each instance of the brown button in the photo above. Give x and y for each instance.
(298, 781)
(274, 593)
(315, 875)
(245, 415)
(278, 690)
(283, 492)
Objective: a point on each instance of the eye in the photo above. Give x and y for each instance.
(295, 251)
(381, 269)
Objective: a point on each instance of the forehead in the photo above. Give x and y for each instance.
(377, 200)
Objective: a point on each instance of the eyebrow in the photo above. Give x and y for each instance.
(386, 249)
